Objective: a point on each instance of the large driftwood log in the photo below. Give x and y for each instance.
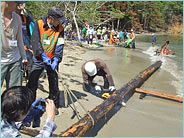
(99, 112)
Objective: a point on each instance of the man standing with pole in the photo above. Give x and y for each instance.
(48, 42)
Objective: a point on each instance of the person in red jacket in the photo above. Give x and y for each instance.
(48, 42)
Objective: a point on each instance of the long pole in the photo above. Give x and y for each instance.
(79, 129)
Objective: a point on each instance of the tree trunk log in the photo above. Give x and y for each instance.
(160, 94)
(84, 124)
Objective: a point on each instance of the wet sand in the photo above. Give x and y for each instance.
(150, 117)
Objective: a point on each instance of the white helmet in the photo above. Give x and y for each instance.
(90, 68)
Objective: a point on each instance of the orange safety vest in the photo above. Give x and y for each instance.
(24, 19)
(49, 35)
(132, 35)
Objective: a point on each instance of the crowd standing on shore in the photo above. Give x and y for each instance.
(103, 34)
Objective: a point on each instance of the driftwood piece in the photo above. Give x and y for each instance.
(159, 94)
(99, 112)
(33, 132)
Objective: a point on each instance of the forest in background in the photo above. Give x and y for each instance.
(143, 16)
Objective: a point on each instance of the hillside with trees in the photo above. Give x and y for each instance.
(143, 16)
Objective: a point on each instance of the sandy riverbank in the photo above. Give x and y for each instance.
(150, 117)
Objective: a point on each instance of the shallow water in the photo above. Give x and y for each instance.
(150, 117)
(176, 43)
(171, 63)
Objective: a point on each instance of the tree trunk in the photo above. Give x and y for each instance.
(98, 113)
(113, 24)
(118, 23)
(76, 25)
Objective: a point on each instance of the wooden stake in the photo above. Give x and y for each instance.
(159, 94)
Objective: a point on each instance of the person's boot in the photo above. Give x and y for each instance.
(56, 111)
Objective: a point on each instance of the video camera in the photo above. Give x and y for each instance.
(42, 102)
(36, 111)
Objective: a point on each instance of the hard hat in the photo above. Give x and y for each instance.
(132, 30)
(90, 68)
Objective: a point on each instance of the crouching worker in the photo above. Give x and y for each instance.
(16, 104)
(48, 42)
(93, 68)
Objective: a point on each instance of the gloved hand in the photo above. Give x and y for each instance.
(36, 110)
(25, 62)
(112, 88)
(54, 63)
(46, 59)
(98, 88)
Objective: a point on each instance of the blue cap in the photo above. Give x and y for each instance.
(56, 12)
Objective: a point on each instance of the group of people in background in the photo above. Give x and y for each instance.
(102, 34)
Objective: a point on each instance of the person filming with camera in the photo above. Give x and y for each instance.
(18, 105)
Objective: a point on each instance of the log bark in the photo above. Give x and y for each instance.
(33, 132)
(78, 129)
(159, 94)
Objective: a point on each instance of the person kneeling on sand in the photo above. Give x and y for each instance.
(93, 68)
(16, 103)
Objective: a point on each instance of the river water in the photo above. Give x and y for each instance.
(150, 117)
(171, 63)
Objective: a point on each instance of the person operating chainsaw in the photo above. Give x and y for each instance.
(93, 68)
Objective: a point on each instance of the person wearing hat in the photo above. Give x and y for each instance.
(48, 42)
(133, 38)
(93, 68)
(12, 46)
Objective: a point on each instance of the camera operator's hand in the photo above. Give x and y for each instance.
(50, 109)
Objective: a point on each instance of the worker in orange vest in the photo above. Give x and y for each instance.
(133, 38)
(48, 42)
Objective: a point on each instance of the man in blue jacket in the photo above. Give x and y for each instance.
(48, 42)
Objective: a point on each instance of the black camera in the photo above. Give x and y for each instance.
(42, 103)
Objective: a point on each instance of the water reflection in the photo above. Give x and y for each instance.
(120, 52)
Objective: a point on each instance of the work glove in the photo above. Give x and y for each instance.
(98, 88)
(25, 62)
(54, 63)
(46, 59)
(35, 111)
(112, 88)
(25, 65)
